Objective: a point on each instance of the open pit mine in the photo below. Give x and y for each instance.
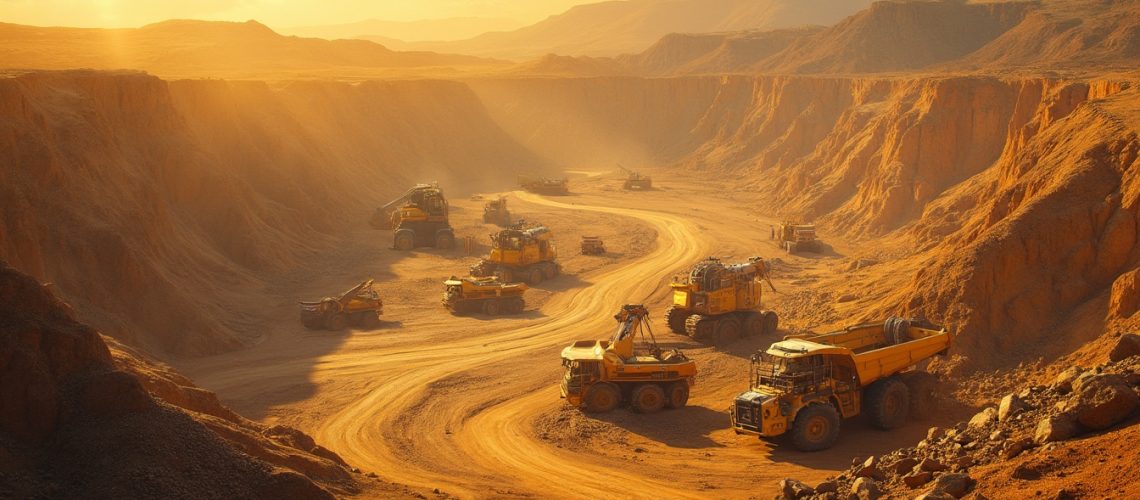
(821, 249)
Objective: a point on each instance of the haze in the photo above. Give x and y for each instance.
(315, 250)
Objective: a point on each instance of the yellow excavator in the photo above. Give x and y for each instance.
(721, 302)
(601, 374)
(419, 218)
(520, 253)
(359, 306)
(635, 181)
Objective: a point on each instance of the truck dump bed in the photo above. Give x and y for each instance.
(877, 350)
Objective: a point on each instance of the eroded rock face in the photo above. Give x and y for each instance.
(81, 411)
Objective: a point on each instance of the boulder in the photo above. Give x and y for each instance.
(1010, 405)
(1127, 346)
(917, 479)
(931, 465)
(1014, 448)
(954, 484)
(792, 489)
(983, 418)
(934, 495)
(865, 488)
(932, 433)
(1102, 400)
(1063, 383)
(829, 486)
(1055, 428)
(870, 468)
(904, 466)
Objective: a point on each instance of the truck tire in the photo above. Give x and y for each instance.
(602, 397)
(727, 330)
(491, 307)
(753, 324)
(505, 275)
(700, 327)
(405, 240)
(771, 323)
(887, 402)
(444, 238)
(313, 323)
(336, 322)
(677, 394)
(923, 388)
(816, 427)
(515, 305)
(534, 276)
(647, 398)
(676, 318)
(549, 270)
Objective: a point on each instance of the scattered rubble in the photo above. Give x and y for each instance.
(1077, 402)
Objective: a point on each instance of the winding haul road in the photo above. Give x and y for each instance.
(417, 427)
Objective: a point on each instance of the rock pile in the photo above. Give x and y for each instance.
(1077, 402)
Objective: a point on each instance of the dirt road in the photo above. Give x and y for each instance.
(470, 406)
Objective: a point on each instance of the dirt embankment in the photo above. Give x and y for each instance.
(158, 208)
(80, 418)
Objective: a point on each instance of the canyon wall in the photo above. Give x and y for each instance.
(1009, 193)
(158, 207)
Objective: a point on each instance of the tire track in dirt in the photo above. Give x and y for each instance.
(469, 442)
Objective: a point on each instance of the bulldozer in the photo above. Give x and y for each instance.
(486, 295)
(359, 306)
(520, 253)
(721, 302)
(805, 384)
(418, 218)
(593, 245)
(634, 181)
(495, 212)
(599, 375)
(793, 237)
(545, 185)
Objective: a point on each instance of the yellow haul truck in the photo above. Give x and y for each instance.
(721, 301)
(805, 384)
(486, 295)
(520, 253)
(419, 218)
(601, 374)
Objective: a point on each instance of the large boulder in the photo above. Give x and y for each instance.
(792, 489)
(1101, 401)
(954, 484)
(1010, 405)
(984, 417)
(1127, 346)
(1055, 428)
(865, 488)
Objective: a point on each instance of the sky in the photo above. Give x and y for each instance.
(275, 13)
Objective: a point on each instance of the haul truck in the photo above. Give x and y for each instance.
(601, 374)
(805, 384)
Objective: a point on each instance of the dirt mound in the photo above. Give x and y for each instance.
(1023, 443)
(158, 208)
(79, 418)
(208, 49)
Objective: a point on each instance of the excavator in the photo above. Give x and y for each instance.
(720, 301)
(634, 181)
(601, 374)
(419, 218)
(520, 253)
(359, 306)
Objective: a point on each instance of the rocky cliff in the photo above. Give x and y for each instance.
(79, 418)
(157, 207)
